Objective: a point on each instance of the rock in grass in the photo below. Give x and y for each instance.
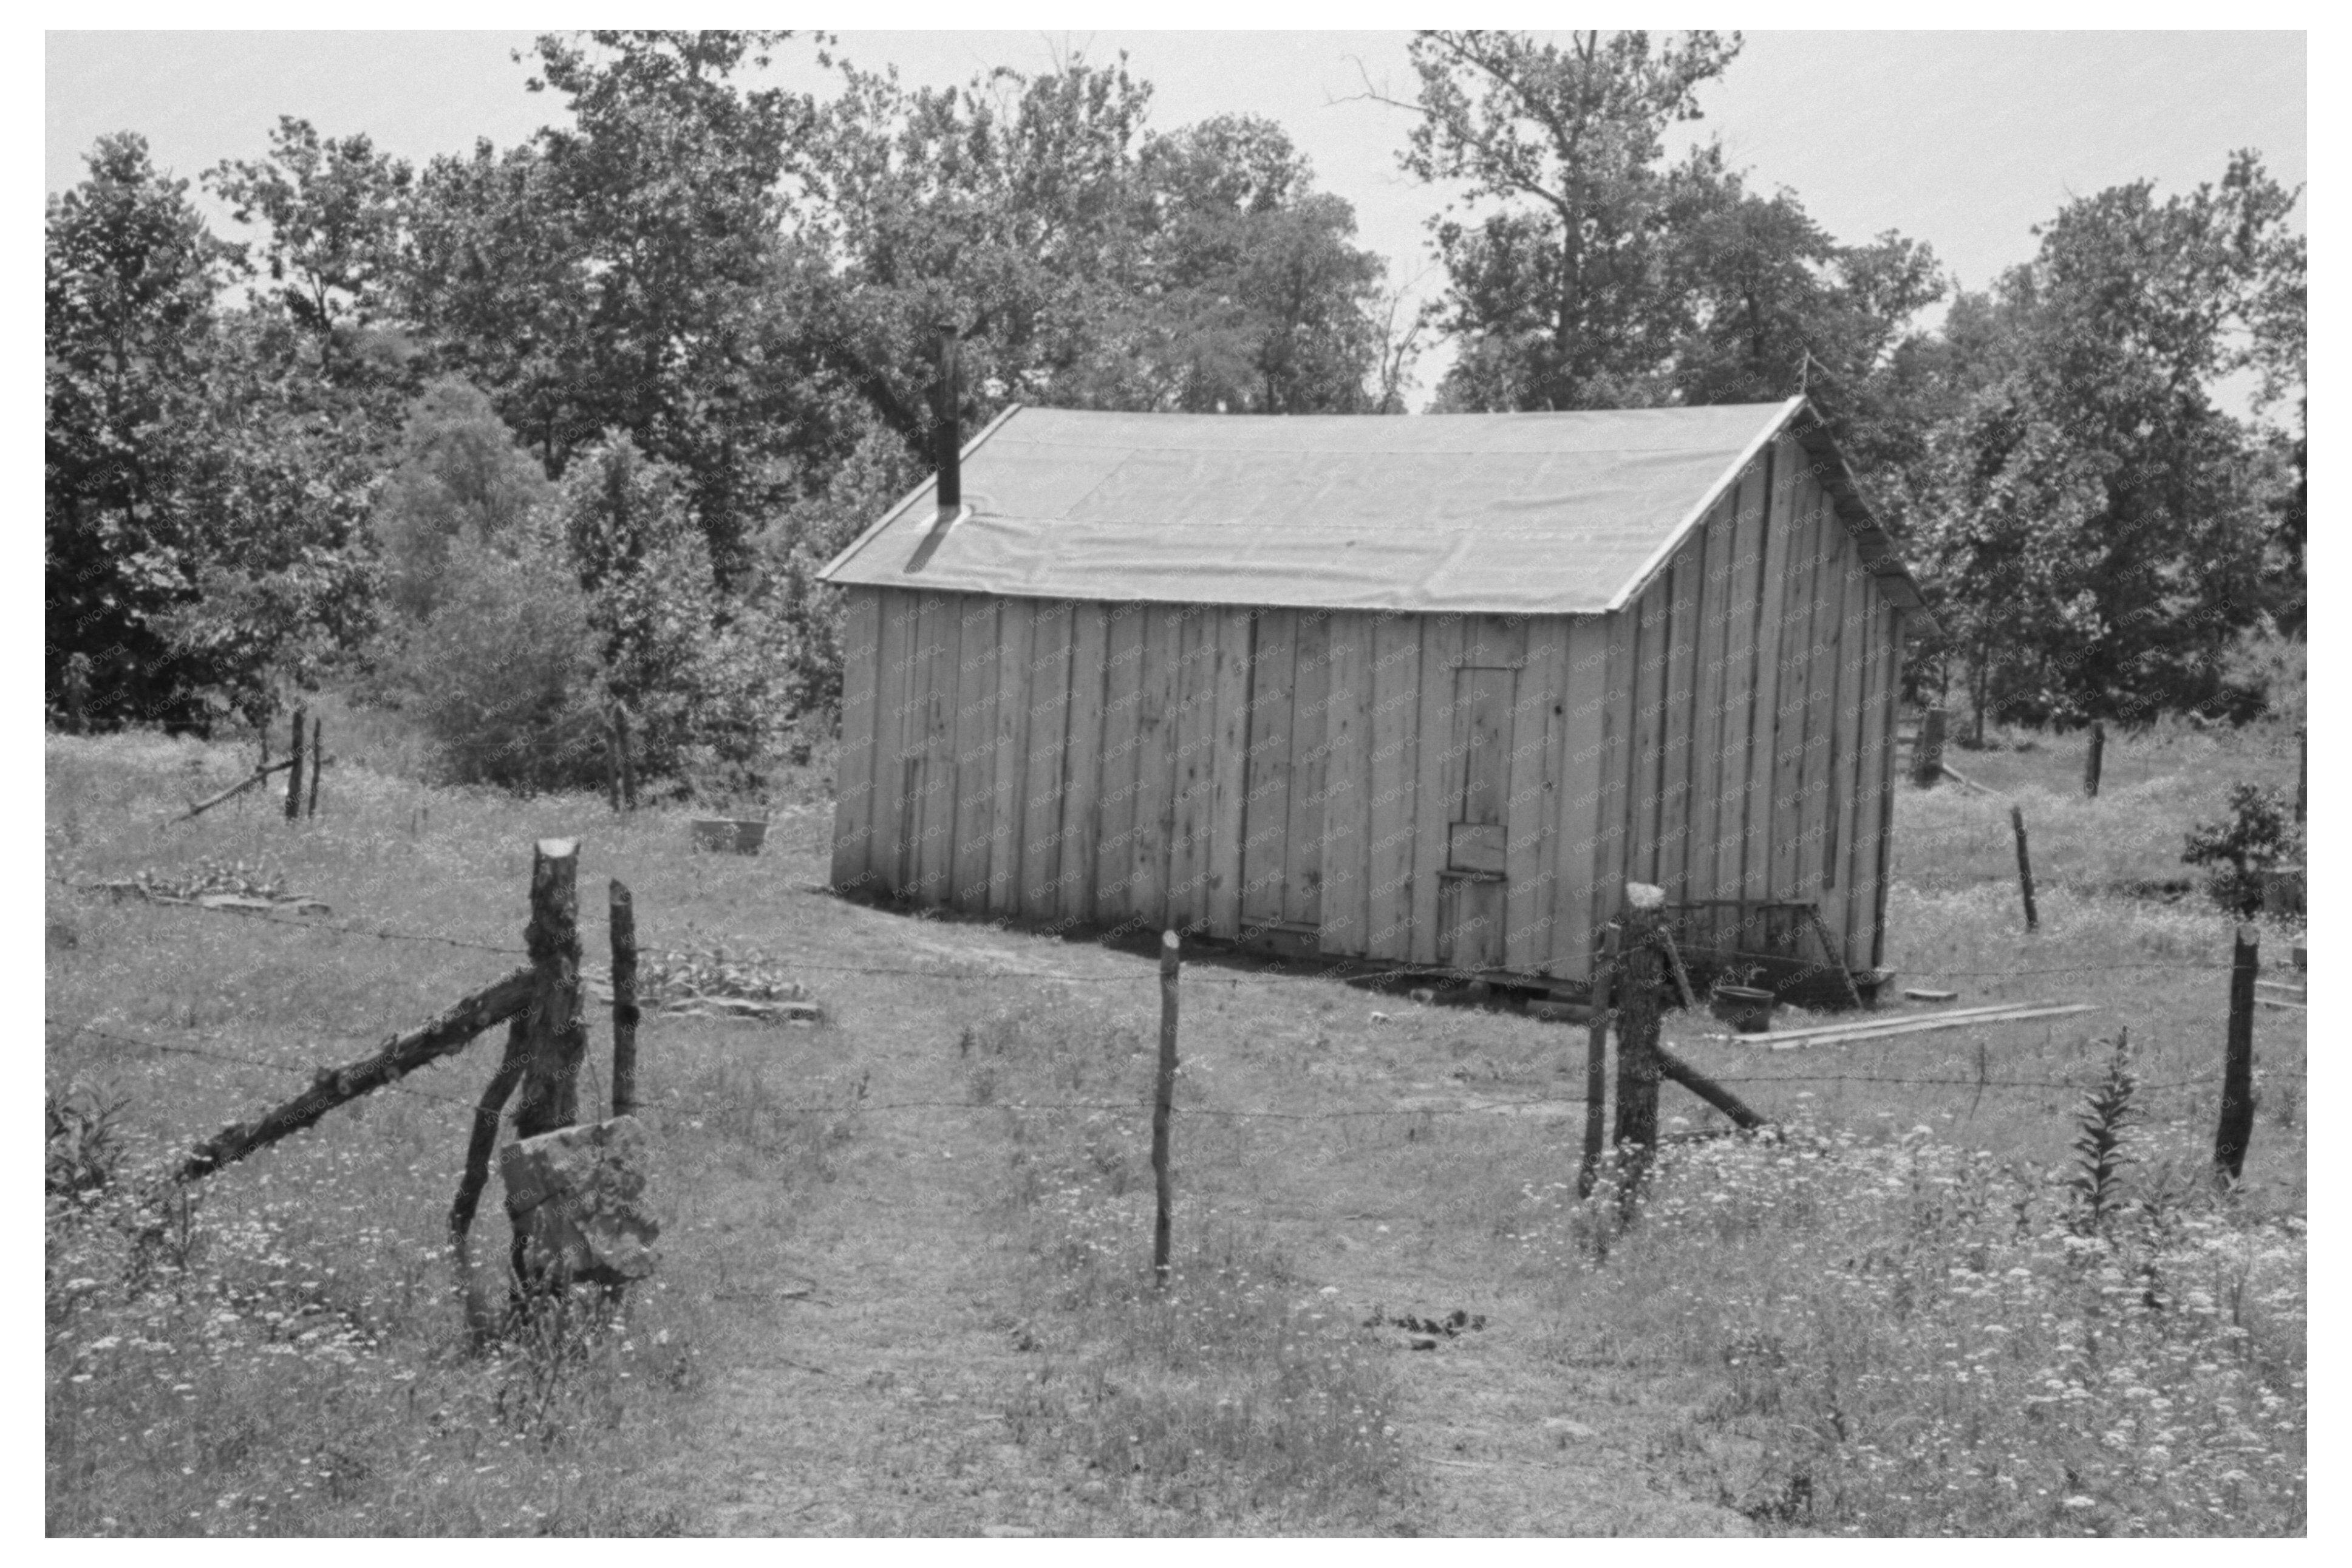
(578, 1195)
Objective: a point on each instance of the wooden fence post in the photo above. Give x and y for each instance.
(1637, 1034)
(1163, 1096)
(77, 693)
(2093, 758)
(317, 763)
(1596, 1064)
(628, 765)
(2237, 1123)
(1927, 749)
(2302, 769)
(294, 773)
(613, 755)
(625, 999)
(2024, 866)
(556, 1035)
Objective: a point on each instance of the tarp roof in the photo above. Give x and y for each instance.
(1492, 513)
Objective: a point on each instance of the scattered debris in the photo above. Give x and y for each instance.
(1380, 1018)
(712, 983)
(1563, 1428)
(213, 885)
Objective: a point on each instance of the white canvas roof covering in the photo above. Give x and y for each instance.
(1490, 513)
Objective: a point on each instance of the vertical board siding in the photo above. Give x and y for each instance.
(1815, 805)
(1531, 816)
(1891, 640)
(1348, 781)
(941, 633)
(1645, 782)
(1676, 758)
(1741, 607)
(1764, 675)
(1878, 664)
(1441, 654)
(1612, 832)
(1584, 746)
(1082, 820)
(975, 751)
(1302, 850)
(897, 695)
(1265, 826)
(1799, 598)
(1155, 760)
(1707, 701)
(852, 808)
(1195, 772)
(1122, 704)
(1395, 762)
(1042, 791)
(1845, 742)
(1231, 761)
(1016, 620)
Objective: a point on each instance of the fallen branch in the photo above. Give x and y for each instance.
(233, 790)
(1707, 1089)
(401, 1055)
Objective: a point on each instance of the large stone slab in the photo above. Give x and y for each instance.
(576, 1197)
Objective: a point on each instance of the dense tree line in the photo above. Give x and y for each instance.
(530, 431)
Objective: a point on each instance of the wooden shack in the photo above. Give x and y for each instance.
(1426, 690)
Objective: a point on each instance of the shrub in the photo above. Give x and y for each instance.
(2256, 835)
(504, 672)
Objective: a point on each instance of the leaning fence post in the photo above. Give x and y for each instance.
(1163, 1095)
(317, 763)
(294, 773)
(1596, 1065)
(2237, 1124)
(2092, 757)
(625, 999)
(1927, 749)
(1637, 1033)
(2024, 866)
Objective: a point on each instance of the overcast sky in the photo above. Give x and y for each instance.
(1964, 139)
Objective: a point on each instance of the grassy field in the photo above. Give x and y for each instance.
(904, 1287)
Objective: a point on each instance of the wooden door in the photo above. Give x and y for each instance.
(1478, 762)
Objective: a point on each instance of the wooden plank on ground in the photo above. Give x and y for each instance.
(1395, 757)
(1042, 789)
(1122, 716)
(1082, 764)
(1302, 850)
(1266, 826)
(1432, 810)
(1346, 795)
(1232, 764)
(1795, 1039)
